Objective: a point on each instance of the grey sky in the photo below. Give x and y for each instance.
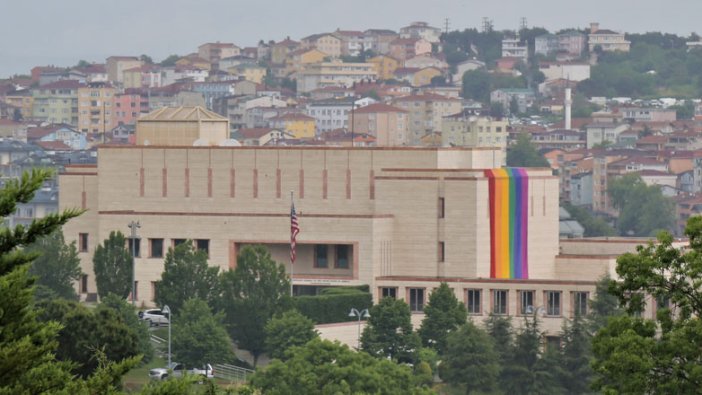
(41, 32)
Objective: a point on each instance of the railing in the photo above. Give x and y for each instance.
(232, 373)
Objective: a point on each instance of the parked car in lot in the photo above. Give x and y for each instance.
(176, 369)
(154, 317)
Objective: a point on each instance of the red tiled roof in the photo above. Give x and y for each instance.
(378, 107)
(287, 42)
(53, 145)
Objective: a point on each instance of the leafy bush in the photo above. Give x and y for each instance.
(333, 304)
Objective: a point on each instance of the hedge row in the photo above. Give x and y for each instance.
(333, 305)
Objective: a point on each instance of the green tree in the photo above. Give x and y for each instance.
(497, 110)
(186, 275)
(685, 111)
(470, 360)
(636, 355)
(27, 345)
(594, 226)
(288, 330)
(603, 306)
(530, 370)
(389, 332)
(513, 106)
(500, 330)
(17, 115)
(199, 336)
(524, 154)
(643, 210)
(169, 61)
(112, 264)
(254, 292)
(323, 367)
(82, 63)
(129, 316)
(575, 373)
(57, 266)
(146, 59)
(442, 315)
(476, 85)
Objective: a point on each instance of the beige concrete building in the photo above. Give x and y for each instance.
(325, 42)
(426, 112)
(182, 126)
(336, 73)
(117, 64)
(96, 113)
(388, 124)
(608, 40)
(469, 130)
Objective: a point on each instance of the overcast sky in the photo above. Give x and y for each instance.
(42, 32)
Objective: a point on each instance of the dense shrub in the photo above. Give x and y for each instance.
(334, 304)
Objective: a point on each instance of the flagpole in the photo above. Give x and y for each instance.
(291, 259)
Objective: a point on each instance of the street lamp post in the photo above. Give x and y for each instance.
(167, 311)
(134, 226)
(360, 314)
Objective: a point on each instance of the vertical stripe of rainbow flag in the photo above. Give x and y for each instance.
(509, 194)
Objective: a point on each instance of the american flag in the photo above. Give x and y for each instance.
(294, 230)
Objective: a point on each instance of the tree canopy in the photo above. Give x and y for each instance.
(199, 336)
(524, 154)
(57, 266)
(323, 367)
(470, 360)
(186, 275)
(253, 293)
(112, 264)
(643, 210)
(634, 354)
(389, 332)
(594, 226)
(442, 314)
(288, 330)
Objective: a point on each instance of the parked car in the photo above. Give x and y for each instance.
(154, 317)
(176, 369)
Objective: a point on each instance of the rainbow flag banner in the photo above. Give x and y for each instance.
(509, 196)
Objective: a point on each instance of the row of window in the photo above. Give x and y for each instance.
(340, 256)
(499, 301)
(155, 245)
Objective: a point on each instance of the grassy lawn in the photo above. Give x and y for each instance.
(139, 376)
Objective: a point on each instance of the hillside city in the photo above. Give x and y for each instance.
(424, 211)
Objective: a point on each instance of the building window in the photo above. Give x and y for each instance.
(84, 284)
(388, 292)
(320, 256)
(580, 300)
(473, 301)
(441, 207)
(553, 303)
(155, 248)
(154, 290)
(82, 242)
(416, 298)
(499, 301)
(441, 251)
(134, 246)
(177, 242)
(342, 256)
(203, 245)
(526, 301)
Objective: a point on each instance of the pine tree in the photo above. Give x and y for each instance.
(575, 371)
(113, 266)
(57, 267)
(443, 314)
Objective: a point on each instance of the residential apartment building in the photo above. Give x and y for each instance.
(214, 52)
(56, 102)
(426, 60)
(572, 43)
(388, 124)
(524, 98)
(421, 30)
(385, 66)
(569, 71)
(96, 113)
(648, 114)
(607, 40)
(280, 50)
(330, 114)
(116, 65)
(336, 73)
(128, 106)
(407, 48)
(351, 42)
(426, 112)
(325, 42)
(465, 129)
(378, 40)
(546, 44)
(146, 76)
(300, 126)
(513, 48)
(21, 99)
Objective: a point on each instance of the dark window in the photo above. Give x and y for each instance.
(441, 251)
(177, 242)
(84, 284)
(342, 256)
(203, 245)
(526, 302)
(499, 302)
(553, 343)
(83, 242)
(553, 303)
(156, 246)
(388, 292)
(416, 297)
(474, 301)
(154, 290)
(580, 300)
(320, 256)
(441, 207)
(134, 247)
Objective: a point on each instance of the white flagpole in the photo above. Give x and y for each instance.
(291, 260)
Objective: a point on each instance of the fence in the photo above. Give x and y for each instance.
(232, 373)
